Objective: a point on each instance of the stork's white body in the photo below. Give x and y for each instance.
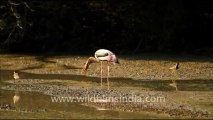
(105, 55)
(101, 55)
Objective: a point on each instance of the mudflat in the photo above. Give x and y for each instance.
(136, 85)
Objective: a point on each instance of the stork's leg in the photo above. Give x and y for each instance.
(101, 73)
(108, 74)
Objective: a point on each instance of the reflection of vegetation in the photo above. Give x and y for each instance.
(82, 25)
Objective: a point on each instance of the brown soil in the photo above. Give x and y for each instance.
(140, 74)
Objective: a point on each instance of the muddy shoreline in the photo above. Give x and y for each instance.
(166, 107)
(60, 76)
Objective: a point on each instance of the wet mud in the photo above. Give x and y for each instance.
(136, 77)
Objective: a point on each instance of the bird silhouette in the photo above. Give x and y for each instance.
(100, 56)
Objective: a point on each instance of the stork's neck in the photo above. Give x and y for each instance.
(89, 61)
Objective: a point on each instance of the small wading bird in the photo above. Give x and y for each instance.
(100, 56)
(176, 67)
(15, 76)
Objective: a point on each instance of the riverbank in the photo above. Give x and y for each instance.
(137, 76)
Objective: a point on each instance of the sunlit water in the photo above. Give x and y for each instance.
(38, 105)
(22, 104)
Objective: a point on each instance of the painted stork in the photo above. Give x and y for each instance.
(100, 56)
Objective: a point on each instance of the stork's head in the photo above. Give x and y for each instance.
(115, 59)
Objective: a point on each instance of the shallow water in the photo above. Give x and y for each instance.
(36, 105)
(195, 92)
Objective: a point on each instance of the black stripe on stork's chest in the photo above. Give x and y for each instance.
(105, 57)
(102, 55)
